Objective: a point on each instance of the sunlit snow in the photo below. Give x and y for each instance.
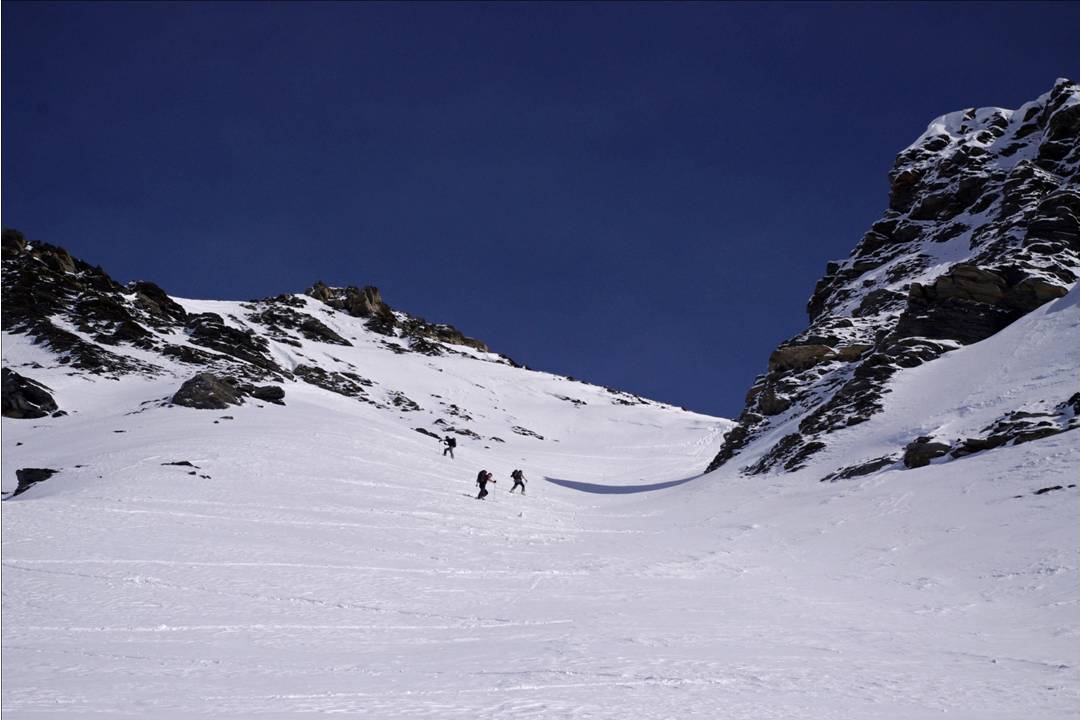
(334, 561)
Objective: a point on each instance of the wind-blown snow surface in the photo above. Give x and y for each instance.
(336, 562)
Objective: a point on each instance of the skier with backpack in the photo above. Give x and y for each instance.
(519, 480)
(450, 443)
(483, 478)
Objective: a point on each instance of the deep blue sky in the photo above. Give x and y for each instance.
(642, 196)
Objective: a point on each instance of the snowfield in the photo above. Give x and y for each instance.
(325, 557)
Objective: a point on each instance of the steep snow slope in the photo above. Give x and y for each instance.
(334, 561)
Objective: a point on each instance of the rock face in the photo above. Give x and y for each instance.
(366, 302)
(25, 398)
(981, 228)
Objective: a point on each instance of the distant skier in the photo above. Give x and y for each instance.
(483, 478)
(519, 480)
(450, 443)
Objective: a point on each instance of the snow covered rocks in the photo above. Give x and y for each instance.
(981, 229)
(424, 337)
(103, 347)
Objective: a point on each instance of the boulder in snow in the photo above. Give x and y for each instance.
(269, 393)
(922, 451)
(29, 477)
(25, 398)
(207, 391)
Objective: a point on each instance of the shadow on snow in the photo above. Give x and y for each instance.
(617, 489)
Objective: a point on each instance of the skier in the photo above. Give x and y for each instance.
(483, 478)
(519, 480)
(450, 443)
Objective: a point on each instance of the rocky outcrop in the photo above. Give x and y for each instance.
(970, 303)
(803, 356)
(798, 357)
(269, 393)
(363, 302)
(207, 391)
(160, 309)
(358, 302)
(25, 398)
(860, 469)
(1013, 428)
(279, 317)
(42, 283)
(348, 384)
(28, 477)
(1021, 426)
(921, 451)
(210, 330)
(367, 302)
(419, 330)
(993, 190)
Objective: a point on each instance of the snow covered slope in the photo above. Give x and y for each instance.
(104, 350)
(342, 481)
(253, 558)
(324, 557)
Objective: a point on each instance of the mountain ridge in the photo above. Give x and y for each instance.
(67, 323)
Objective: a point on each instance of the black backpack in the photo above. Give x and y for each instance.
(517, 475)
(451, 442)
